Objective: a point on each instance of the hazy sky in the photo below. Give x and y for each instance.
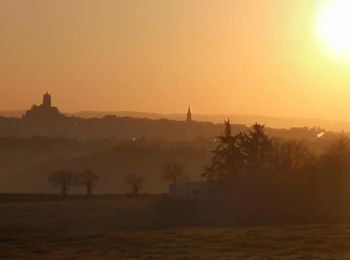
(220, 56)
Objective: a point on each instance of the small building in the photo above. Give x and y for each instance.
(190, 190)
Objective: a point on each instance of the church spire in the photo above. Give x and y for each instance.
(189, 114)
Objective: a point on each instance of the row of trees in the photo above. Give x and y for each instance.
(243, 153)
(267, 180)
(65, 179)
(172, 172)
(255, 152)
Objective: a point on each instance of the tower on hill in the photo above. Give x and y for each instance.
(43, 112)
(189, 115)
(46, 100)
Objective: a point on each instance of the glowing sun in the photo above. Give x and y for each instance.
(333, 26)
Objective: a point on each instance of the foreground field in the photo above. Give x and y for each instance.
(124, 229)
(199, 243)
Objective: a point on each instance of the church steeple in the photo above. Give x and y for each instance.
(189, 114)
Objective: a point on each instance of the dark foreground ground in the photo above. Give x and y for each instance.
(114, 228)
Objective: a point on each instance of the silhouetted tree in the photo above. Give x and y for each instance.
(228, 158)
(173, 172)
(135, 182)
(335, 172)
(291, 156)
(257, 147)
(62, 179)
(87, 178)
(336, 156)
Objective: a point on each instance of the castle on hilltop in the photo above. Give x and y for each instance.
(44, 111)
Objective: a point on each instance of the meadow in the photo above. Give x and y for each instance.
(126, 228)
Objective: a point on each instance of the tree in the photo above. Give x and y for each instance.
(336, 156)
(334, 166)
(257, 147)
(135, 182)
(62, 179)
(87, 178)
(241, 153)
(228, 158)
(173, 172)
(291, 156)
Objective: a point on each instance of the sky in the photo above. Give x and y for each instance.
(221, 56)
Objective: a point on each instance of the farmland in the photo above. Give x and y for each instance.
(115, 228)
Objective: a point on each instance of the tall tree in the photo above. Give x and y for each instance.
(228, 158)
(87, 178)
(257, 147)
(62, 179)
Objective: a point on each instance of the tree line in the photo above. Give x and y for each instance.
(65, 179)
(254, 152)
(268, 180)
(248, 153)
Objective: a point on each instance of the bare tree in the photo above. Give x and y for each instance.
(173, 172)
(87, 178)
(62, 179)
(290, 156)
(336, 156)
(135, 182)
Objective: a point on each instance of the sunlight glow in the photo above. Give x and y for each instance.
(333, 26)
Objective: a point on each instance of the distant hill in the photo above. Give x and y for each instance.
(270, 121)
(14, 113)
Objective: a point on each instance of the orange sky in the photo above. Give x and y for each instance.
(222, 56)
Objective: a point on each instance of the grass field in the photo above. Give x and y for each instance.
(125, 229)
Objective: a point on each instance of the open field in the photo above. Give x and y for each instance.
(127, 229)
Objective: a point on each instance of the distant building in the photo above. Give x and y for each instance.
(46, 100)
(189, 115)
(190, 190)
(45, 111)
